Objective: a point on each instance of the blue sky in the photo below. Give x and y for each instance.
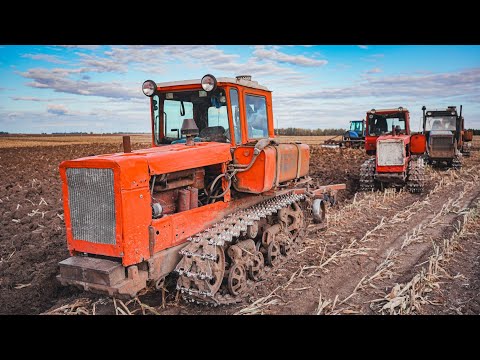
(98, 88)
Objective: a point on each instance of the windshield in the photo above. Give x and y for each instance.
(256, 116)
(382, 124)
(440, 123)
(209, 111)
(356, 126)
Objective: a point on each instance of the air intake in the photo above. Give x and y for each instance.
(91, 200)
(244, 77)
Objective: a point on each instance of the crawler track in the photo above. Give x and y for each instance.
(222, 262)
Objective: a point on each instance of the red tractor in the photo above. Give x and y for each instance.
(216, 198)
(398, 159)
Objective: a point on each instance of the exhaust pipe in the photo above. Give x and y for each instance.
(127, 147)
(424, 119)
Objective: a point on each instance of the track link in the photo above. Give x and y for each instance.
(456, 163)
(224, 261)
(416, 175)
(367, 175)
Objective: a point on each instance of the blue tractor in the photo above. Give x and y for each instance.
(355, 137)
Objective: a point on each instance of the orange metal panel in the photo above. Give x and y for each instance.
(178, 157)
(137, 165)
(133, 167)
(137, 215)
(418, 144)
(288, 162)
(174, 229)
(468, 135)
(392, 169)
(289, 158)
(152, 120)
(261, 176)
(305, 160)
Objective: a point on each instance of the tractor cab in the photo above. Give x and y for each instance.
(445, 134)
(385, 122)
(357, 128)
(228, 110)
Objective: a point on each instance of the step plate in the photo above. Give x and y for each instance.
(92, 270)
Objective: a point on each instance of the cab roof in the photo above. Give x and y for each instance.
(222, 80)
(387, 110)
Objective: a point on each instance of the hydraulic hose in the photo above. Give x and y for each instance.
(259, 146)
(229, 179)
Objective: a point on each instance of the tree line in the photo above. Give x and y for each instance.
(308, 132)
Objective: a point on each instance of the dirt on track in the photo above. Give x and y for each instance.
(32, 241)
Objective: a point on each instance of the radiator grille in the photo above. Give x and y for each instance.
(441, 142)
(390, 153)
(92, 204)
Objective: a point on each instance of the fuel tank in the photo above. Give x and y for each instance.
(275, 164)
(418, 144)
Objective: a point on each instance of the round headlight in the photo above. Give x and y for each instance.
(400, 109)
(372, 111)
(149, 87)
(429, 113)
(209, 83)
(370, 116)
(453, 112)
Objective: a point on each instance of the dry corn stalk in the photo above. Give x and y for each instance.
(408, 298)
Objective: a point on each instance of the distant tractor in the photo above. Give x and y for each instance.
(355, 137)
(445, 136)
(397, 159)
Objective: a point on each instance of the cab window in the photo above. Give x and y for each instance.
(235, 115)
(256, 109)
(173, 111)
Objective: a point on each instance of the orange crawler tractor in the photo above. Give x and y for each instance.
(216, 198)
(398, 157)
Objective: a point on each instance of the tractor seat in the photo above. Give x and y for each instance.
(213, 133)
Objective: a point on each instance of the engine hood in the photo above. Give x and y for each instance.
(404, 138)
(137, 167)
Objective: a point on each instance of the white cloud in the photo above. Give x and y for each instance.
(87, 47)
(45, 57)
(442, 85)
(278, 56)
(57, 109)
(364, 47)
(99, 64)
(25, 98)
(57, 80)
